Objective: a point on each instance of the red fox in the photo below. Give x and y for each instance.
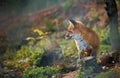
(87, 41)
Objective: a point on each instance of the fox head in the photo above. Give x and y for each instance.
(73, 30)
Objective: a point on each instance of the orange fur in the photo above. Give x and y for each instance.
(88, 34)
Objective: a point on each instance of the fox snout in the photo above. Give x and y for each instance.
(68, 36)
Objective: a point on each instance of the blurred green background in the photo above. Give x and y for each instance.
(32, 43)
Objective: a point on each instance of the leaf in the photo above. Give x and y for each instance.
(30, 38)
(38, 31)
(39, 38)
(47, 33)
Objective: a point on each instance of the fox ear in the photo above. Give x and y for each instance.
(73, 22)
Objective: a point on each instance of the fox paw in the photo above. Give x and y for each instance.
(78, 63)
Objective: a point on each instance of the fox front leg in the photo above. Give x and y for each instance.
(79, 59)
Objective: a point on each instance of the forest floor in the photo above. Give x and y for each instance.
(7, 24)
(70, 74)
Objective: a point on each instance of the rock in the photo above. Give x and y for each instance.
(90, 67)
(50, 58)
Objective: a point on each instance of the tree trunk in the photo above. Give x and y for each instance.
(111, 8)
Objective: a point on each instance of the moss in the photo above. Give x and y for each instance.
(113, 73)
(41, 72)
(105, 48)
(105, 74)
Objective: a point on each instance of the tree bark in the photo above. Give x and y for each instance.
(111, 8)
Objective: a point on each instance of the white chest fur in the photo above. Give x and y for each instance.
(81, 43)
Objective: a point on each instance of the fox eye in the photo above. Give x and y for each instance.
(70, 31)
